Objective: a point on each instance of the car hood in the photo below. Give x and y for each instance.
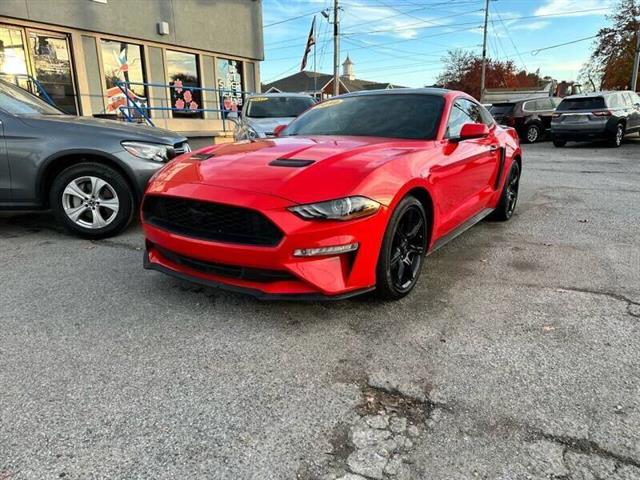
(268, 125)
(122, 130)
(338, 166)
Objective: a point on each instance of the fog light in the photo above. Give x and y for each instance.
(323, 251)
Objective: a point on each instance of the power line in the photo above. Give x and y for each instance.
(290, 19)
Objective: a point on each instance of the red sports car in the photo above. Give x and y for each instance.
(348, 198)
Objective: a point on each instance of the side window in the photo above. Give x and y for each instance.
(544, 105)
(555, 101)
(457, 118)
(529, 106)
(487, 119)
(472, 109)
(614, 101)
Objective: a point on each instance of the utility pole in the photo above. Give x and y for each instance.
(336, 49)
(484, 49)
(636, 62)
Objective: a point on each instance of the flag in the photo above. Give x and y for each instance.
(311, 41)
(122, 60)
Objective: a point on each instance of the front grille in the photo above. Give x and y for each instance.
(241, 273)
(211, 221)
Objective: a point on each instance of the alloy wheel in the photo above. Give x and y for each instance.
(90, 202)
(532, 134)
(619, 135)
(512, 190)
(407, 249)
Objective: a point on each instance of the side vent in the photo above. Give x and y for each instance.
(291, 163)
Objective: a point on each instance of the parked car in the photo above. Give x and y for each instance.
(347, 199)
(92, 173)
(531, 117)
(596, 116)
(262, 113)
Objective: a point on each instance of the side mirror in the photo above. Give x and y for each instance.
(473, 130)
(278, 130)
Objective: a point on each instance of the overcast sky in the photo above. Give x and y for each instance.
(403, 41)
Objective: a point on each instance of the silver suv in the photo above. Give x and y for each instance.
(91, 173)
(262, 113)
(596, 116)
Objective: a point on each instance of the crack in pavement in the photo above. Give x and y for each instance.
(615, 296)
(585, 446)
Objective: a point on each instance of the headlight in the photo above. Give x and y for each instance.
(245, 132)
(341, 209)
(148, 151)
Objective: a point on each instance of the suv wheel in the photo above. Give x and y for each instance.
(92, 200)
(533, 134)
(618, 136)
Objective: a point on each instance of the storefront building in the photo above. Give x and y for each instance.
(78, 50)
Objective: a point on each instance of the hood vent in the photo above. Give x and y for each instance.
(202, 156)
(291, 163)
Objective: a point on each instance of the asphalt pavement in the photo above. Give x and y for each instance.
(516, 357)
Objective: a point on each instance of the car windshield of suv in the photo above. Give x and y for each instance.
(585, 103)
(271, 107)
(501, 108)
(17, 101)
(386, 115)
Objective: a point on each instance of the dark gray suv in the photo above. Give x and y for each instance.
(90, 172)
(596, 116)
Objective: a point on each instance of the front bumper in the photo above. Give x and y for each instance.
(210, 262)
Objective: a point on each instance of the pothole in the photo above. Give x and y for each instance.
(378, 443)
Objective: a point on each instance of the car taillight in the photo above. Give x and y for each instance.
(556, 115)
(602, 113)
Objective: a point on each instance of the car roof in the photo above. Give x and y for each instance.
(283, 94)
(442, 92)
(603, 93)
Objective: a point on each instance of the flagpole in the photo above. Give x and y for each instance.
(315, 72)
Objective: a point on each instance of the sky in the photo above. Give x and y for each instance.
(403, 41)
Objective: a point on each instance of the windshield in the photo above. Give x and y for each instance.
(271, 107)
(501, 108)
(384, 115)
(17, 101)
(586, 103)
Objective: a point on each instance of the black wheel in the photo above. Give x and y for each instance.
(533, 134)
(92, 200)
(559, 143)
(403, 249)
(509, 198)
(616, 140)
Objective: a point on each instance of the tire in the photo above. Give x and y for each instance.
(616, 140)
(91, 200)
(509, 197)
(559, 143)
(532, 134)
(403, 250)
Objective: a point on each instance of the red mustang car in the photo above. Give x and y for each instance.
(347, 199)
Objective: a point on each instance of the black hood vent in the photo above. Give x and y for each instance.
(202, 156)
(291, 163)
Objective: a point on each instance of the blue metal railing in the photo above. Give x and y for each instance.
(144, 111)
(39, 89)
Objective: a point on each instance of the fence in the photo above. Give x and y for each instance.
(33, 85)
(133, 109)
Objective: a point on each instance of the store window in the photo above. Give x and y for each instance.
(123, 62)
(230, 84)
(52, 68)
(12, 56)
(182, 69)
